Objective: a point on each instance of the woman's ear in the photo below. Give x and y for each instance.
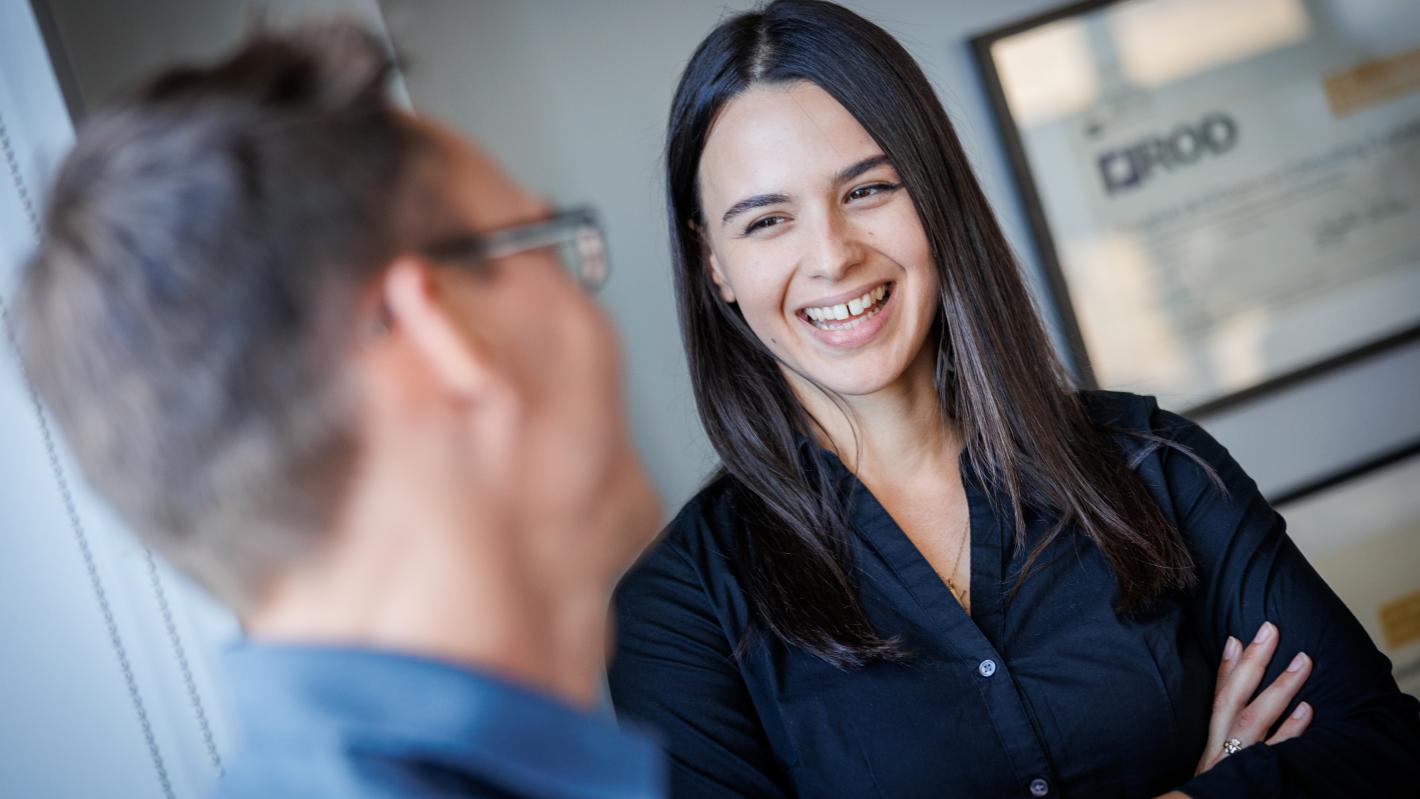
(414, 305)
(717, 275)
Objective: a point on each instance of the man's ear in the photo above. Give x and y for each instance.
(717, 275)
(419, 310)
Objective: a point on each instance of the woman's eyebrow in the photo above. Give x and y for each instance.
(751, 203)
(848, 173)
(843, 176)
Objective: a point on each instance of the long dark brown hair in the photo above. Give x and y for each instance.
(1025, 428)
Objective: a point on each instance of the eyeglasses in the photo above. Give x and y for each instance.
(576, 235)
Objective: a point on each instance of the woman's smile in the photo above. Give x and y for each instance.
(851, 323)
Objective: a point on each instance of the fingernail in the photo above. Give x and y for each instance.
(1263, 633)
(1231, 648)
(1302, 710)
(1297, 662)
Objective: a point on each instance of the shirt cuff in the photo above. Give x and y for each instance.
(1255, 771)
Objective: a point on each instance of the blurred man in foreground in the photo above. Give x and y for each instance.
(323, 356)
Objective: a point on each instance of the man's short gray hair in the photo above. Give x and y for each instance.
(185, 314)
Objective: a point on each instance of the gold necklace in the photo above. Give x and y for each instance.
(959, 595)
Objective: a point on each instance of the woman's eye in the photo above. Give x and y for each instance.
(763, 223)
(873, 188)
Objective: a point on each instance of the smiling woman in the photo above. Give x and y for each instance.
(924, 540)
(827, 263)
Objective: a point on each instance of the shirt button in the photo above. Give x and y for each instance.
(1039, 787)
(987, 668)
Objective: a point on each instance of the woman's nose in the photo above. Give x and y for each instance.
(834, 248)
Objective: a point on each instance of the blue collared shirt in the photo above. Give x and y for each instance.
(346, 722)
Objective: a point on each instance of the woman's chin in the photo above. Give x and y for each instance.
(855, 385)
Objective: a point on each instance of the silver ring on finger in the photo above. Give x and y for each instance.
(1232, 746)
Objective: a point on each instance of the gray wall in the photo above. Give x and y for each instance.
(111, 45)
(572, 98)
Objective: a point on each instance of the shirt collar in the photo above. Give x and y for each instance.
(408, 706)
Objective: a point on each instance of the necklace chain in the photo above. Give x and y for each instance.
(958, 593)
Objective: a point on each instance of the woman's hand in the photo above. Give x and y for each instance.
(1246, 724)
(1236, 723)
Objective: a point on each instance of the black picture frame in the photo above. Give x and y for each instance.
(1399, 453)
(1057, 289)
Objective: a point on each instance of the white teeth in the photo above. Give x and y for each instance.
(853, 308)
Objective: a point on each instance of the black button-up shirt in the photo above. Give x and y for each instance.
(1049, 694)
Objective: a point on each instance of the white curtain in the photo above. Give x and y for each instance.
(109, 682)
(107, 674)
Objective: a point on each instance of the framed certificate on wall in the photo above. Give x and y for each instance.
(1225, 195)
(1363, 537)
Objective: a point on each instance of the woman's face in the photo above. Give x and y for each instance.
(812, 234)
